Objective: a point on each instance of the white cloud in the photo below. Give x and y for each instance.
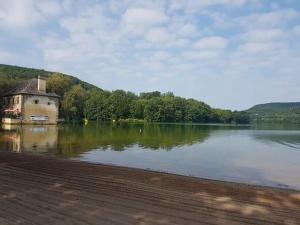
(253, 21)
(16, 14)
(262, 35)
(161, 55)
(183, 30)
(191, 6)
(137, 20)
(201, 55)
(91, 38)
(158, 34)
(205, 3)
(261, 48)
(187, 29)
(267, 20)
(178, 43)
(24, 14)
(296, 30)
(51, 8)
(176, 5)
(213, 43)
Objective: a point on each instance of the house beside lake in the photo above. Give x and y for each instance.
(29, 103)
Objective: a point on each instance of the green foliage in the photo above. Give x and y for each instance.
(58, 83)
(221, 116)
(121, 103)
(148, 95)
(198, 112)
(82, 100)
(241, 117)
(137, 109)
(276, 112)
(73, 103)
(97, 106)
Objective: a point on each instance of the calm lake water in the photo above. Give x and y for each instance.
(264, 155)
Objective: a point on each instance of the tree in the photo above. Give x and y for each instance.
(221, 116)
(97, 106)
(120, 104)
(58, 83)
(241, 117)
(137, 109)
(197, 111)
(73, 103)
(153, 110)
(149, 95)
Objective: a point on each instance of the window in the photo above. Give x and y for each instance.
(36, 101)
(39, 118)
(49, 103)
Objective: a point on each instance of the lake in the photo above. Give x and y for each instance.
(266, 155)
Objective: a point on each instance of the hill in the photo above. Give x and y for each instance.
(278, 111)
(13, 75)
(80, 100)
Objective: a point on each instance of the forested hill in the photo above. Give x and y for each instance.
(276, 107)
(286, 112)
(13, 75)
(82, 100)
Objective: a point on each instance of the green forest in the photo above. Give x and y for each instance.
(80, 100)
(276, 112)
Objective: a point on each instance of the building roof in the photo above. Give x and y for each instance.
(29, 87)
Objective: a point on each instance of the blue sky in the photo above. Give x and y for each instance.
(229, 53)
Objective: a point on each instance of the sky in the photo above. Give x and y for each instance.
(228, 53)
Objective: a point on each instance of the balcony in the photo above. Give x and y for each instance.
(11, 116)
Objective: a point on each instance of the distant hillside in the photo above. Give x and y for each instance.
(13, 75)
(276, 107)
(285, 112)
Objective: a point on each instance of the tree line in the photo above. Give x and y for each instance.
(80, 102)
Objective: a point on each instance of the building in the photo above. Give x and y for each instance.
(29, 103)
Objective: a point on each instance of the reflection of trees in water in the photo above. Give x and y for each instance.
(71, 140)
(74, 139)
(290, 139)
(276, 126)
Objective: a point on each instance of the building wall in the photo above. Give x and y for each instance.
(40, 106)
(42, 85)
(13, 102)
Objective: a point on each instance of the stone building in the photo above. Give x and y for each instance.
(29, 103)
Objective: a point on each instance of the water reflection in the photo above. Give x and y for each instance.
(72, 140)
(75, 139)
(28, 138)
(290, 139)
(241, 154)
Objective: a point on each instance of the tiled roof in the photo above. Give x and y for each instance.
(29, 87)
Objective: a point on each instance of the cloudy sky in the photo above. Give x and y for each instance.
(229, 53)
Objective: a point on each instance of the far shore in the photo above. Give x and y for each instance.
(44, 190)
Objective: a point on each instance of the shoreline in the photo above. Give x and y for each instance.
(122, 195)
(203, 179)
